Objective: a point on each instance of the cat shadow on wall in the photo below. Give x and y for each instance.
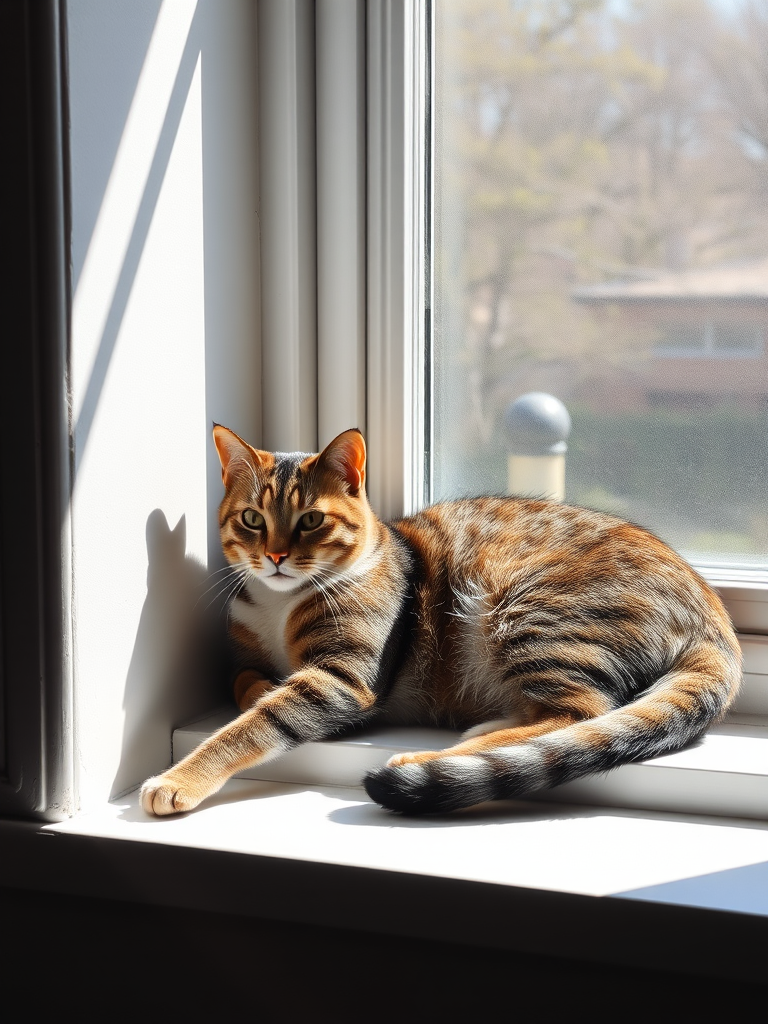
(177, 669)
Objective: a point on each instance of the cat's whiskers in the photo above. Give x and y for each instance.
(329, 585)
(226, 587)
(234, 567)
(221, 596)
(216, 584)
(340, 584)
(326, 591)
(234, 588)
(218, 572)
(336, 580)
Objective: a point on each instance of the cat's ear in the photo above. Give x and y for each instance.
(232, 449)
(345, 456)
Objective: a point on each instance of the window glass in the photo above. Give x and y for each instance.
(681, 339)
(735, 337)
(601, 235)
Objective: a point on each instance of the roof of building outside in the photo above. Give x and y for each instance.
(733, 281)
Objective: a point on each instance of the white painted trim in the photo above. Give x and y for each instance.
(343, 92)
(724, 774)
(341, 259)
(396, 36)
(288, 245)
(744, 593)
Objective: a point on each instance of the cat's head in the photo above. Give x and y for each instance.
(293, 518)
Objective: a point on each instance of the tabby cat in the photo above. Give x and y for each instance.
(563, 641)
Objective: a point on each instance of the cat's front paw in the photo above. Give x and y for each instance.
(163, 795)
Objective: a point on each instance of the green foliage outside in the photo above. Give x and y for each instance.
(698, 479)
(697, 459)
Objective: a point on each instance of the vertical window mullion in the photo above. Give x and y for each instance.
(341, 261)
(288, 224)
(396, 160)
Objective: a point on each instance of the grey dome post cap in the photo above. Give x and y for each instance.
(537, 424)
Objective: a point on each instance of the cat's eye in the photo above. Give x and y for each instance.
(253, 520)
(311, 520)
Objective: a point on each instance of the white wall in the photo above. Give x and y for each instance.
(165, 339)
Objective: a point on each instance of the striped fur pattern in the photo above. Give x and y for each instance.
(563, 641)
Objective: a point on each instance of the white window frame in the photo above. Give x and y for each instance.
(342, 88)
(399, 251)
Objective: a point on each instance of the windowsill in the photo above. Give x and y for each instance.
(657, 888)
(724, 774)
(616, 886)
(521, 843)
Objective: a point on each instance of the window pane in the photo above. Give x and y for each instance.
(675, 339)
(601, 235)
(735, 337)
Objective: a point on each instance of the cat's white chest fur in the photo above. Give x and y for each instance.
(266, 615)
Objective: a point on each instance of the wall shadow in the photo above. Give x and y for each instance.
(178, 659)
(138, 239)
(177, 669)
(98, 118)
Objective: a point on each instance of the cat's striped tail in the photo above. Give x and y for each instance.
(673, 712)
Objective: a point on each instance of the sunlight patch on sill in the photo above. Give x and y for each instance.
(576, 849)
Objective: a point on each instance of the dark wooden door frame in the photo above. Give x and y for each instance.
(36, 741)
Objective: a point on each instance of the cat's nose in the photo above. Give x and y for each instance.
(277, 557)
